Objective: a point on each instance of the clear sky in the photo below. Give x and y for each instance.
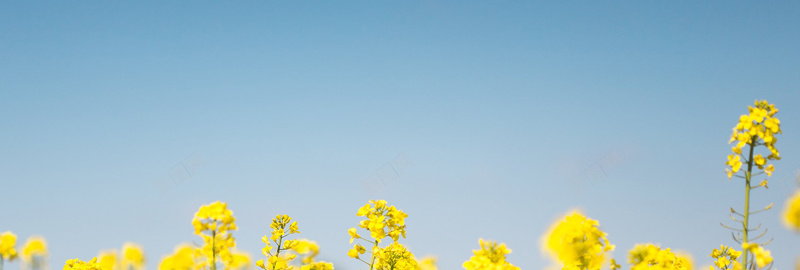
(499, 114)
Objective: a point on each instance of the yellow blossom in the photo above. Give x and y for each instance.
(214, 223)
(763, 256)
(132, 257)
(649, 256)
(577, 241)
(182, 258)
(7, 242)
(791, 213)
(107, 259)
(427, 263)
(76, 264)
(491, 256)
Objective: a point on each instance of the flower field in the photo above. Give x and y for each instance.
(573, 242)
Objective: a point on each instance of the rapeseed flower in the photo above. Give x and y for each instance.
(725, 258)
(394, 257)
(577, 242)
(132, 257)
(108, 260)
(182, 258)
(427, 263)
(491, 256)
(214, 222)
(8, 251)
(76, 264)
(282, 226)
(34, 254)
(381, 221)
(652, 257)
(763, 257)
(791, 214)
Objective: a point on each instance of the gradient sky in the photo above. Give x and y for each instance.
(502, 112)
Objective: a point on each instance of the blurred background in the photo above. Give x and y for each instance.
(478, 119)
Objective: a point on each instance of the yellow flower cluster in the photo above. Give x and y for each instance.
(281, 228)
(756, 128)
(132, 257)
(427, 263)
(791, 215)
(239, 261)
(35, 252)
(763, 256)
(381, 221)
(76, 264)
(652, 257)
(725, 258)
(491, 256)
(218, 220)
(183, 258)
(394, 257)
(7, 242)
(107, 259)
(308, 248)
(215, 217)
(577, 242)
(317, 266)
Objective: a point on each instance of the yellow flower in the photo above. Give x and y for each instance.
(305, 246)
(76, 264)
(318, 266)
(791, 214)
(763, 256)
(725, 256)
(756, 128)
(576, 240)
(239, 261)
(34, 254)
(353, 234)
(394, 257)
(769, 170)
(382, 221)
(214, 223)
(357, 249)
(427, 263)
(491, 256)
(183, 258)
(132, 256)
(7, 242)
(282, 226)
(107, 259)
(649, 256)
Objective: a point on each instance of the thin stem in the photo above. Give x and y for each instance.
(747, 176)
(213, 250)
(372, 262)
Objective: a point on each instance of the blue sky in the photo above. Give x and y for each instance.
(505, 111)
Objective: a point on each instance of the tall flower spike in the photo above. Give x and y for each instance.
(754, 129)
(213, 222)
(282, 226)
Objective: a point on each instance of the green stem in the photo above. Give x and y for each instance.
(372, 262)
(746, 220)
(213, 249)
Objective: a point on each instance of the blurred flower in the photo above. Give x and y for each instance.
(791, 214)
(577, 242)
(76, 264)
(34, 254)
(491, 256)
(7, 250)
